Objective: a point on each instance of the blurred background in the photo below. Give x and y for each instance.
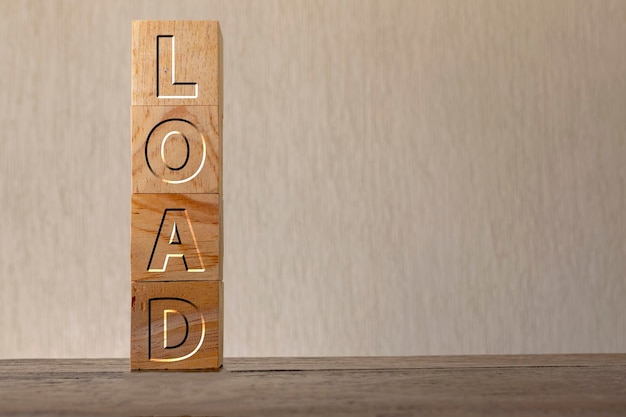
(400, 177)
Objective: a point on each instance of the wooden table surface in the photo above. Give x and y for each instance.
(545, 385)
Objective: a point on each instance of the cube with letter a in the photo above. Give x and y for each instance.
(176, 205)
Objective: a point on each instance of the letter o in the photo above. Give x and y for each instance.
(193, 149)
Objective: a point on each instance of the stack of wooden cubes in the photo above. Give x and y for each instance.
(176, 205)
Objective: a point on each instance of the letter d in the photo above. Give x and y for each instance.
(176, 329)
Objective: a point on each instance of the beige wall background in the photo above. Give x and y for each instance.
(400, 177)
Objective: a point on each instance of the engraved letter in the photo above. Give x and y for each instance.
(177, 329)
(175, 239)
(167, 87)
(175, 151)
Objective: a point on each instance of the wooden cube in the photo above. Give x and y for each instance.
(176, 325)
(175, 237)
(176, 63)
(175, 149)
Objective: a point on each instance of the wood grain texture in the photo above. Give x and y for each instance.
(175, 149)
(196, 59)
(175, 237)
(582, 385)
(423, 362)
(176, 325)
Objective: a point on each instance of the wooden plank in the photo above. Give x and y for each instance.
(175, 237)
(345, 363)
(481, 386)
(175, 149)
(176, 63)
(176, 325)
(422, 362)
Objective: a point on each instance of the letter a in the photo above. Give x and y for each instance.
(175, 239)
